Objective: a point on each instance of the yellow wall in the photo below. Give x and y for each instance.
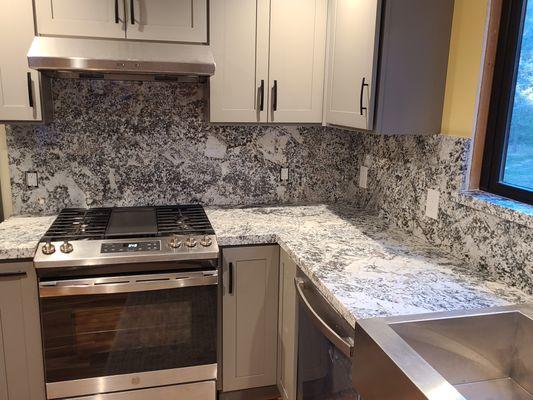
(464, 67)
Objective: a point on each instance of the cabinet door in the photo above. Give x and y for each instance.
(21, 362)
(167, 20)
(92, 18)
(287, 329)
(250, 317)
(239, 41)
(297, 55)
(352, 48)
(20, 97)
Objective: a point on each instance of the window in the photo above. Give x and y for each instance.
(508, 158)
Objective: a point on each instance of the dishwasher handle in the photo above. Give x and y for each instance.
(344, 345)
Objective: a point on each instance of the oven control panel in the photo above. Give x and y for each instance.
(130, 247)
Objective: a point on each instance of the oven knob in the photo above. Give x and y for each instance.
(175, 242)
(206, 241)
(66, 247)
(191, 242)
(49, 248)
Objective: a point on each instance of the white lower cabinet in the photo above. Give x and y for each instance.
(21, 360)
(287, 328)
(250, 317)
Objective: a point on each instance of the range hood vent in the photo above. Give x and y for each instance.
(115, 59)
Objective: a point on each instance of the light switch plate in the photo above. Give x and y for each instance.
(432, 203)
(32, 179)
(368, 161)
(284, 175)
(363, 177)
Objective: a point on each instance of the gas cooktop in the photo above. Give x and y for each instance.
(98, 236)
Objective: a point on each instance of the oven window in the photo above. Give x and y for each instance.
(101, 335)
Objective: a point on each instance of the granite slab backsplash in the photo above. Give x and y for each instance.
(403, 168)
(130, 143)
(139, 143)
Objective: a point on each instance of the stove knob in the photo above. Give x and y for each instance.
(191, 242)
(66, 247)
(175, 242)
(206, 241)
(49, 248)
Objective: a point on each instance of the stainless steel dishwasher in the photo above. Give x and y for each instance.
(325, 348)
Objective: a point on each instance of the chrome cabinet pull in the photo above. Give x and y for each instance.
(344, 346)
(361, 108)
(30, 89)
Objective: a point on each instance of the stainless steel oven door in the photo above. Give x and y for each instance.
(325, 347)
(112, 334)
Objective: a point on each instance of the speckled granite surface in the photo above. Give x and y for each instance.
(19, 236)
(115, 143)
(364, 267)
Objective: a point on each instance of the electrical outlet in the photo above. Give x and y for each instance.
(368, 161)
(284, 174)
(432, 203)
(363, 177)
(32, 179)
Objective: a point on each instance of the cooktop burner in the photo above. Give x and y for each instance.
(139, 222)
(104, 236)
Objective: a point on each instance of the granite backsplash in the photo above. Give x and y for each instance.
(403, 168)
(139, 143)
(132, 143)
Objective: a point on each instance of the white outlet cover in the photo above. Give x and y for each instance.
(368, 161)
(363, 177)
(32, 179)
(432, 203)
(284, 174)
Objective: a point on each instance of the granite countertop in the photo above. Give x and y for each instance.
(19, 236)
(361, 265)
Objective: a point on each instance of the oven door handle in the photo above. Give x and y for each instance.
(126, 284)
(342, 344)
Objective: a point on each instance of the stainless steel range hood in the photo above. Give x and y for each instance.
(123, 59)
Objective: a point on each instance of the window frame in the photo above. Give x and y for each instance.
(501, 102)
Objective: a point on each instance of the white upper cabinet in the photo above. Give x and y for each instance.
(91, 18)
(239, 41)
(270, 64)
(167, 20)
(158, 20)
(297, 55)
(352, 57)
(20, 92)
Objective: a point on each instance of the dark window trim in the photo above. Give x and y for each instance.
(501, 103)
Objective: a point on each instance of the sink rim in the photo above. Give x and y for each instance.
(422, 374)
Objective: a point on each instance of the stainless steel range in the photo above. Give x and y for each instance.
(128, 301)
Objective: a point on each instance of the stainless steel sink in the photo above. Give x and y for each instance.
(470, 355)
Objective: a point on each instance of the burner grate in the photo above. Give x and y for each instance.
(183, 220)
(79, 223)
(93, 223)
